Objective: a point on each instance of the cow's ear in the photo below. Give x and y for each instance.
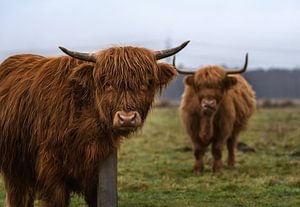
(189, 80)
(229, 82)
(167, 73)
(82, 76)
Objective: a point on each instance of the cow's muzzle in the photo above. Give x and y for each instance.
(208, 105)
(127, 120)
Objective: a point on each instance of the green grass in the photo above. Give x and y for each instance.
(155, 167)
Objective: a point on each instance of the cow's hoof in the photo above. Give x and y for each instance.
(217, 167)
(198, 170)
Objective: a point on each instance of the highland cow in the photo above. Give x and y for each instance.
(216, 106)
(60, 117)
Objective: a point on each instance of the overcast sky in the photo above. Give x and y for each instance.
(221, 32)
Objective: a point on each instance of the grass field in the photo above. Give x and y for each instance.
(155, 165)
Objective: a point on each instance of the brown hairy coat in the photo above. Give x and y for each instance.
(215, 108)
(57, 119)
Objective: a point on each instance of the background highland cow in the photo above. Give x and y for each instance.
(215, 108)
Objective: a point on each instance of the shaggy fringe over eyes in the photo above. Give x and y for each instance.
(210, 76)
(126, 68)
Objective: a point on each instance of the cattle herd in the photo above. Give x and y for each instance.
(60, 117)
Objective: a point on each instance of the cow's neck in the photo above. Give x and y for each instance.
(206, 127)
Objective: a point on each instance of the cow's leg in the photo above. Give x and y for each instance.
(18, 194)
(55, 195)
(231, 145)
(53, 190)
(217, 148)
(199, 151)
(91, 197)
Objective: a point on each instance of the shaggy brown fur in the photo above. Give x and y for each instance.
(56, 119)
(215, 108)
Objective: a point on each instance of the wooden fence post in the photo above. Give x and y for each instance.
(107, 184)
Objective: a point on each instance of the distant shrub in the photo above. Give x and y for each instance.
(287, 103)
(163, 103)
(268, 103)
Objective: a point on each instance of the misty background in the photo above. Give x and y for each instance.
(221, 32)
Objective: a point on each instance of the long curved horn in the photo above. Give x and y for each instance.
(169, 52)
(231, 72)
(78, 55)
(181, 71)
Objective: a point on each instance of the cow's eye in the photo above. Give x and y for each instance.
(108, 86)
